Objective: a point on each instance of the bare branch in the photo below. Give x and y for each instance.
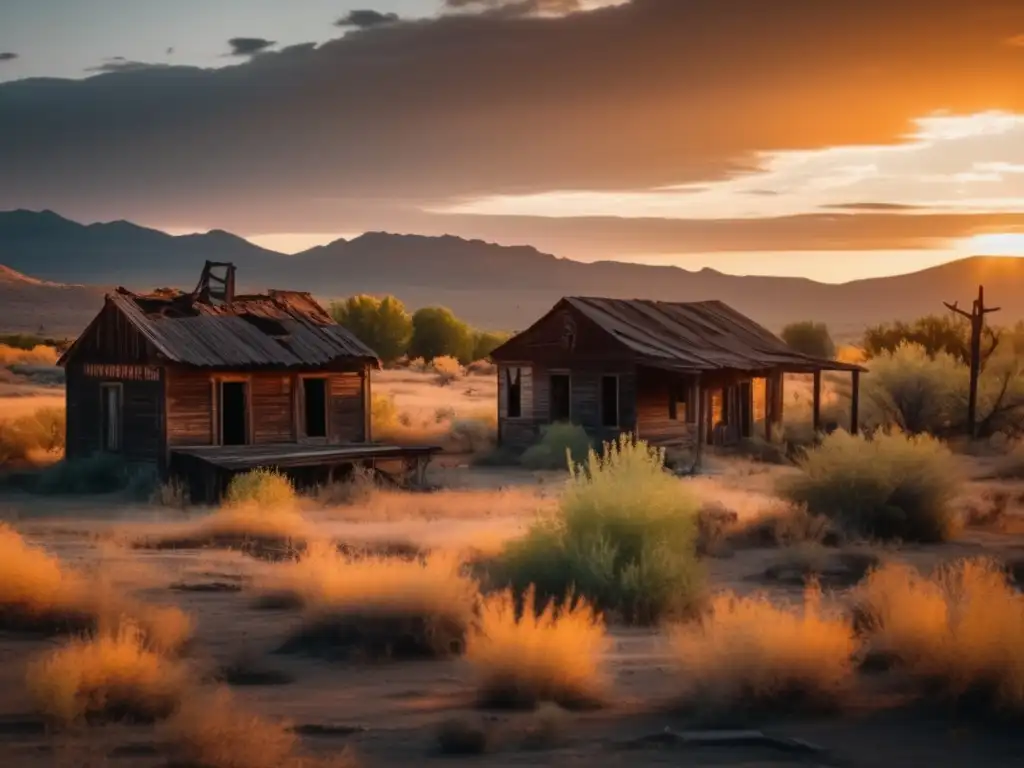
(954, 308)
(991, 309)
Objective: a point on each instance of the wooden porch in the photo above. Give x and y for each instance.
(207, 470)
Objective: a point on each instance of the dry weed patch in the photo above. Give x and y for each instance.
(373, 605)
(522, 658)
(38, 594)
(748, 652)
(957, 631)
(109, 676)
(214, 732)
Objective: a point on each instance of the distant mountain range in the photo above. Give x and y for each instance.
(490, 285)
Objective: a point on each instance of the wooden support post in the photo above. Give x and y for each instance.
(768, 408)
(855, 404)
(698, 455)
(816, 416)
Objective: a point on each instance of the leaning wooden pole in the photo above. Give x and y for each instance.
(977, 319)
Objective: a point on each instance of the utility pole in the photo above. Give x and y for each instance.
(977, 319)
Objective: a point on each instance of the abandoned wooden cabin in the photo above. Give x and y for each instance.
(673, 374)
(206, 384)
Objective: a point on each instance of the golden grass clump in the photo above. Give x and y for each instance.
(957, 631)
(38, 594)
(40, 354)
(35, 438)
(109, 676)
(380, 606)
(523, 658)
(262, 487)
(748, 653)
(214, 732)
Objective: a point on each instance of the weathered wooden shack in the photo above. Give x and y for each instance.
(204, 384)
(672, 373)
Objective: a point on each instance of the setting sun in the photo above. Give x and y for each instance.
(995, 244)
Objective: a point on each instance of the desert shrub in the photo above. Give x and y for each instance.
(1011, 465)
(110, 676)
(748, 653)
(266, 532)
(214, 731)
(522, 658)
(559, 445)
(624, 537)
(482, 368)
(265, 488)
(447, 369)
(358, 487)
(373, 605)
(383, 412)
(172, 494)
(39, 594)
(810, 338)
(41, 375)
(471, 435)
(916, 391)
(444, 413)
(38, 354)
(99, 473)
(26, 437)
(957, 631)
(936, 335)
(889, 486)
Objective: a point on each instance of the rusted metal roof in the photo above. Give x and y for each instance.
(696, 336)
(279, 329)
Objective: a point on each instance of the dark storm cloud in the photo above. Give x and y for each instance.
(8, 56)
(249, 46)
(365, 18)
(368, 127)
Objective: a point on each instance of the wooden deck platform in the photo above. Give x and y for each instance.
(206, 470)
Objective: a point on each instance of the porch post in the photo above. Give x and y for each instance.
(769, 384)
(855, 403)
(817, 401)
(702, 437)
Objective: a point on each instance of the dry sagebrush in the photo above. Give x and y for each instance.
(110, 676)
(957, 631)
(523, 658)
(887, 486)
(624, 536)
(748, 652)
(38, 593)
(374, 605)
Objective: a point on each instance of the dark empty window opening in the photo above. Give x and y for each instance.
(266, 325)
(314, 398)
(234, 417)
(514, 388)
(111, 407)
(561, 409)
(609, 401)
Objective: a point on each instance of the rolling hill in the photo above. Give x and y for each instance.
(490, 285)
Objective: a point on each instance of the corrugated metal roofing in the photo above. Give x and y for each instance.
(195, 333)
(697, 336)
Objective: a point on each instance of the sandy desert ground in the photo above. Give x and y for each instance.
(390, 712)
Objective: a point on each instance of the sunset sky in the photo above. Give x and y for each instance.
(834, 140)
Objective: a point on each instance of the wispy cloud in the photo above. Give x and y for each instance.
(249, 46)
(366, 18)
(8, 55)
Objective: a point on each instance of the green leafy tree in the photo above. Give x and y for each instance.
(810, 338)
(937, 334)
(436, 332)
(485, 342)
(382, 324)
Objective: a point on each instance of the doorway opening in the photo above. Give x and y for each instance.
(314, 398)
(561, 409)
(234, 413)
